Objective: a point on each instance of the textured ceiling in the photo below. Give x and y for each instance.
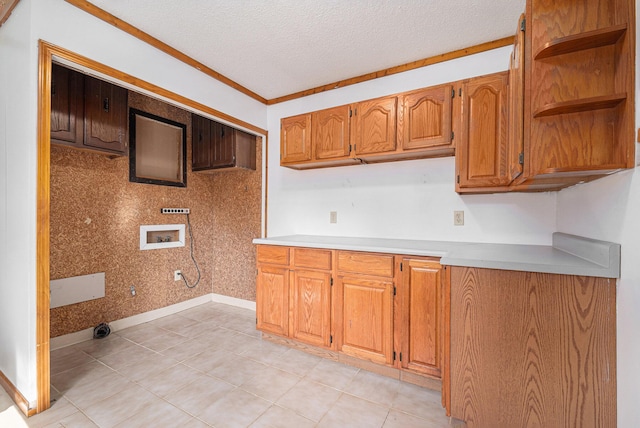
(278, 47)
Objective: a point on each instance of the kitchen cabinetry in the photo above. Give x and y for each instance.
(88, 113)
(579, 105)
(532, 349)
(272, 290)
(293, 296)
(422, 312)
(374, 127)
(295, 140)
(331, 133)
(216, 146)
(67, 106)
(482, 159)
(364, 306)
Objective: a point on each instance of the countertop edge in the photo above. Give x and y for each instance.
(580, 256)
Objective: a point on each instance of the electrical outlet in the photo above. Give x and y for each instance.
(458, 218)
(133, 290)
(177, 275)
(333, 216)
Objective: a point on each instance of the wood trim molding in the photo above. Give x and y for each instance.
(43, 371)
(506, 41)
(16, 396)
(127, 78)
(158, 44)
(6, 7)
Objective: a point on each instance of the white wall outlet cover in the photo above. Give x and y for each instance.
(458, 218)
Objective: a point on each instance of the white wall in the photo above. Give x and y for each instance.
(61, 24)
(18, 78)
(609, 209)
(408, 199)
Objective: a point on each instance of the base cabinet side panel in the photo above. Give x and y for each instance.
(532, 349)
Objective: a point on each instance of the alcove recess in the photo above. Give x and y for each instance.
(579, 103)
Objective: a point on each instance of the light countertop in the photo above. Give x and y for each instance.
(568, 254)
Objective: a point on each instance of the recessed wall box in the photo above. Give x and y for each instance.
(156, 236)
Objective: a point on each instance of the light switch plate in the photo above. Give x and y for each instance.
(458, 218)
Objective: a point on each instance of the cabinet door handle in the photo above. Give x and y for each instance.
(105, 104)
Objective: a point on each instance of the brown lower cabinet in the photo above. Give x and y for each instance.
(385, 309)
(532, 349)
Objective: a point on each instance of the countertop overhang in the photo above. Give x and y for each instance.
(568, 254)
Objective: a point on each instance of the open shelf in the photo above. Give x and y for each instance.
(578, 42)
(584, 104)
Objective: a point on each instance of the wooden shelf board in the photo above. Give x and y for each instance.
(584, 104)
(578, 42)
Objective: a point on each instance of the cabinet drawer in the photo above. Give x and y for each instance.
(365, 263)
(312, 258)
(273, 254)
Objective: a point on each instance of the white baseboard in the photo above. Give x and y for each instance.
(86, 334)
(233, 301)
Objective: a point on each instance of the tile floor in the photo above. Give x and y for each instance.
(208, 367)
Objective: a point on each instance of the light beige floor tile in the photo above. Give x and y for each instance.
(333, 374)
(199, 394)
(88, 393)
(76, 420)
(278, 417)
(185, 350)
(270, 384)
(238, 408)
(243, 342)
(236, 369)
(60, 409)
(296, 362)
(170, 379)
(354, 412)
(140, 333)
(164, 341)
(195, 330)
(149, 367)
(264, 352)
(397, 419)
(100, 347)
(172, 322)
(310, 399)
(126, 357)
(68, 358)
(219, 338)
(157, 414)
(195, 423)
(373, 387)
(111, 411)
(207, 360)
(418, 401)
(87, 373)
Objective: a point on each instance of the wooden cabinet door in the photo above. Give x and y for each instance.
(421, 307)
(222, 146)
(482, 153)
(331, 132)
(311, 307)
(364, 314)
(295, 139)
(272, 300)
(200, 142)
(375, 126)
(425, 118)
(67, 105)
(105, 122)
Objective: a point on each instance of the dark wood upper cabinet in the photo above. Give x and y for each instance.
(67, 106)
(105, 120)
(87, 113)
(217, 146)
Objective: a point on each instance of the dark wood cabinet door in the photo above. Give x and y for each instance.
(222, 146)
(67, 105)
(200, 142)
(245, 149)
(106, 118)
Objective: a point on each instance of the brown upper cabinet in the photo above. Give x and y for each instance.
(216, 146)
(409, 126)
(88, 113)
